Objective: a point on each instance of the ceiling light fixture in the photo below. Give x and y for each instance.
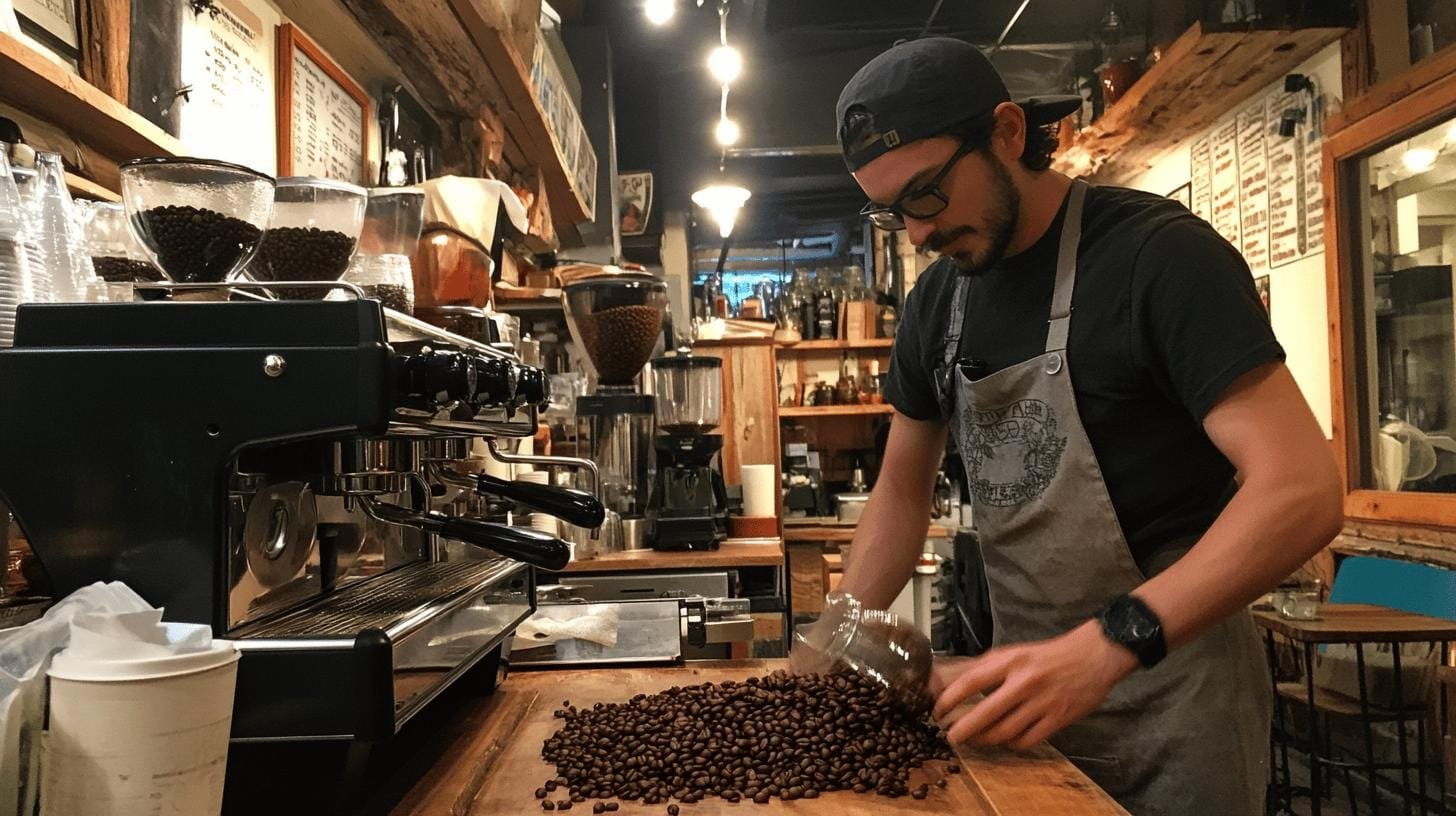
(659, 11)
(722, 201)
(725, 63)
(1418, 159)
(727, 132)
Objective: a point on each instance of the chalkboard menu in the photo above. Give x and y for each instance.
(323, 115)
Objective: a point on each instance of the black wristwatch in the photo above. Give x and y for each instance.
(1133, 625)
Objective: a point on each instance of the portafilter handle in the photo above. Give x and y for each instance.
(525, 545)
(575, 506)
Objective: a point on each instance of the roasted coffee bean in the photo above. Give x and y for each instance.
(955, 769)
(918, 793)
(125, 270)
(620, 339)
(302, 254)
(540, 793)
(673, 810)
(392, 296)
(197, 245)
(778, 736)
(599, 808)
(547, 804)
(611, 807)
(940, 783)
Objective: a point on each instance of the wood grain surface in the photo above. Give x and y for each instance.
(494, 762)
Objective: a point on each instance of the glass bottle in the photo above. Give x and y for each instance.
(871, 642)
(826, 311)
(71, 271)
(804, 301)
(846, 390)
(869, 387)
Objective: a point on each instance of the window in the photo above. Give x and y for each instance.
(1404, 342)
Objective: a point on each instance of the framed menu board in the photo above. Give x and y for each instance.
(323, 116)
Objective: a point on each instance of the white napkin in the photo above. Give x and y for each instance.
(134, 636)
(598, 626)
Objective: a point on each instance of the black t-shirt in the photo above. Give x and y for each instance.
(1164, 318)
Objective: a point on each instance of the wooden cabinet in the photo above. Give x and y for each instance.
(750, 425)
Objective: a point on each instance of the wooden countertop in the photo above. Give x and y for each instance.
(804, 530)
(491, 760)
(1359, 623)
(729, 554)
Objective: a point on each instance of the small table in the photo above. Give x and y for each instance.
(1356, 624)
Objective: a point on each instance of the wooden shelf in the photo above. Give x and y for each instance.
(1181, 96)
(39, 86)
(489, 26)
(837, 345)
(89, 189)
(527, 299)
(729, 554)
(786, 412)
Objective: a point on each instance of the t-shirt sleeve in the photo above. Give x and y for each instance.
(1198, 322)
(909, 386)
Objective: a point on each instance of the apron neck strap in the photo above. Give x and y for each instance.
(1059, 323)
(957, 319)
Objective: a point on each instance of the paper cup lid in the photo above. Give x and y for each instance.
(66, 666)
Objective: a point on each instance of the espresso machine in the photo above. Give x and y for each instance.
(295, 474)
(689, 508)
(616, 319)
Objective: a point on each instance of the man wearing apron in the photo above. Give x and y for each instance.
(1142, 464)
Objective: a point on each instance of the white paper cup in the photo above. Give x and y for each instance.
(132, 737)
(758, 490)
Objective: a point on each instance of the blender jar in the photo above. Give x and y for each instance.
(689, 392)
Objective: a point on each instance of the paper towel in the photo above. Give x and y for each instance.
(758, 490)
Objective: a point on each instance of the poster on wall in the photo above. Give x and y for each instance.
(1223, 152)
(1200, 174)
(635, 195)
(1286, 195)
(56, 18)
(323, 115)
(1253, 187)
(227, 65)
(1312, 138)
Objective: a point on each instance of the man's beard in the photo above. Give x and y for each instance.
(1001, 223)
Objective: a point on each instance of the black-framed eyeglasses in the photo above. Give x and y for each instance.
(923, 202)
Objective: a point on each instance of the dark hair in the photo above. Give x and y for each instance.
(1041, 141)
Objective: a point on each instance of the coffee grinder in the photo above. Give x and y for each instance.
(689, 508)
(616, 319)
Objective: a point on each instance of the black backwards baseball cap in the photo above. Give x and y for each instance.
(926, 87)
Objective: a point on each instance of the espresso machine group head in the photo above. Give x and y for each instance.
(273, 469)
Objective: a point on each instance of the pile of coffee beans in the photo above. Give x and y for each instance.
(392, 296)
(302, 254)
(197, 245)
(620, 339)
(777, 737)
(129, 270)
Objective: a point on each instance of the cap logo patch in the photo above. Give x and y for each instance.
(892, 139)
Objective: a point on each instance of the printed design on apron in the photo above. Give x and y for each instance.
(1014, 450)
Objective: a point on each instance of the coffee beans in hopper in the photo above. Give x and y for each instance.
(302, 254)
(129, 270)
(620, 339)
(197, 245)
(777, 737)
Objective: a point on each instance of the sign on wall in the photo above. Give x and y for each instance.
(56, 17)
(323, 115)
(227, 69)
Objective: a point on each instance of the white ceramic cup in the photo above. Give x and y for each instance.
(141, 736)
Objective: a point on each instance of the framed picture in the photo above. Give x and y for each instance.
(323, 115)
(635, 198)
(1183, 195)
(52, 23)
(1261, 285)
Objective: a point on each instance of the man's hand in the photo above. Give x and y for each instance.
(1034, 690)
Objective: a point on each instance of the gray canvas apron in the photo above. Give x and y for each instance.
(1188, 737)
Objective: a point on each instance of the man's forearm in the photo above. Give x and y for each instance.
(886, 545)
(1268, 531)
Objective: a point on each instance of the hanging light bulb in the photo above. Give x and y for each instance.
(727, 132)
(1418, 159)
(725, 64)
(722, 201)
(658, 12)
